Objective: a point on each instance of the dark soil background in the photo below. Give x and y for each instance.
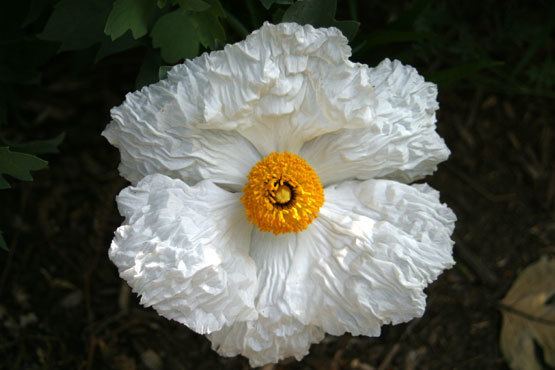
(63, 306)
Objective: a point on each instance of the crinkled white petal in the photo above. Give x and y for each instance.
(275, 334)
(314, 88)
(184, 250)
(400, 143)
(266, 340)
(154, 135)
(368, 256)
(285, 87)
(282, 86)
(363, 263)
(190, 252)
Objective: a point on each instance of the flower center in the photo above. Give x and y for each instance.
(283, 194)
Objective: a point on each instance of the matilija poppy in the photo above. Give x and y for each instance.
(270, 201)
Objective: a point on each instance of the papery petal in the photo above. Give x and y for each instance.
(155, 135)
(275, 334)
(401, 142)
(266, 340)
(363, 263)
(282, 86)
(184, 250)
(190, 252)
(366, 259)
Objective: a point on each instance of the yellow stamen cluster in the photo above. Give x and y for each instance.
(283, 194)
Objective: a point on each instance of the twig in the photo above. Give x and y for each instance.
(389, 356)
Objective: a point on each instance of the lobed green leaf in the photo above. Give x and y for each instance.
(163, 72)
(208, 26)
(268, 3)
(176, 35)
(134, 15)
(18, 165)
(209, 29)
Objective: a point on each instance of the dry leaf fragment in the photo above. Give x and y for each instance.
(528, 332)
(151, 360)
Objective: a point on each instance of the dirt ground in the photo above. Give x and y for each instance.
(63, 306)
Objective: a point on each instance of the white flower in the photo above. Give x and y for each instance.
(330, 146)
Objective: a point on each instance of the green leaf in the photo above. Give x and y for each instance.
(176, 36)
(449, 76)
(18, 165)
(216, 8)
(77, 24)
(3, 244)
(268, 3)
(193, 5)
(163, 72)
(40, 146)
(134, 15)
(209, 29)
(208, 26)
(319, 13)
(310, 11)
